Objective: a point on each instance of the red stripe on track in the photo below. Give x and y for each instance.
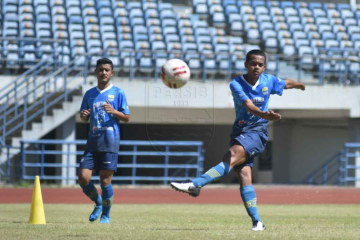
(266, 195)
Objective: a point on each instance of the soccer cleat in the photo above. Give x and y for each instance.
(104, 219)
(186, 187)
(258, 226)
(96, 213)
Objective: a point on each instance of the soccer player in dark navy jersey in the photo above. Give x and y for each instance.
(105, 106)
(251, 93)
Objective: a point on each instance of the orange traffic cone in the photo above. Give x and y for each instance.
(37, 213)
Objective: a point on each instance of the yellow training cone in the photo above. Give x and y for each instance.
(37, 214)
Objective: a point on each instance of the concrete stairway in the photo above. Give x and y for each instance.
(49, 123)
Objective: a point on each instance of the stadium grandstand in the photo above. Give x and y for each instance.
(49, 50)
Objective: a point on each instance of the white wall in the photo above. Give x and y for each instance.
(301, 146)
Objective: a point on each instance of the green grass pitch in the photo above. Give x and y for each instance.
(176, 221)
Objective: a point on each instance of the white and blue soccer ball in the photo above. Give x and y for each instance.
(175, 73)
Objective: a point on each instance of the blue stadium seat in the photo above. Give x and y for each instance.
(184, 23)
(110, 44)
(121, 12)
(169, 30)
(168, 23)
(189, 47)
(43, 34)
(12, 61)
(151, 13)
(156, 37)
(165, 6)
(29, 60)
(129, 62)
(203, 39)
(152, 22)
(126, 44)
(138, 21)
(140, 30)
(93, 43)
(149, 5)
(141, 37)
(188, 39)
(107, 20)
(218, 20)
(172, 38)
(91, 20)
(186, 31)
(155, 30)
(201, 9)
(263, 18)
(136, 12)
(145, 65)
(26, 25)
(103, 4)
(348, 44)
(105, 11)
(122, 21)
(167, 14)
(253, 36)
(159, 62)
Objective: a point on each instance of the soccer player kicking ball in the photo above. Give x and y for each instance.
(251, 93)
(105, 105)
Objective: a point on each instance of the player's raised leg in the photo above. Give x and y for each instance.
(90, 190)
(249, 198)
(234, 156)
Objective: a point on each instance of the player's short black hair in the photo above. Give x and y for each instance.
(255, 52)
(104, 61)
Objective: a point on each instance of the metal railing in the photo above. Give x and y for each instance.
(350, 161)
(7, 163)
(30, 97)
(323, 68)
(335, 171)
(189, 166)
(318, 66)
(328, 173)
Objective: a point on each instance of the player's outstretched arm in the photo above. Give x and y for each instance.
(269, 115)
(290, 84)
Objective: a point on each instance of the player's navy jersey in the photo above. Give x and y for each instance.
(259, 94)
(104, 133)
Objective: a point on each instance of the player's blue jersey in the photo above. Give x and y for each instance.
(104, 133)
(259, 94)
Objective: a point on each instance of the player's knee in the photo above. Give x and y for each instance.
(227, 157)
(105, 181)
(82, 179)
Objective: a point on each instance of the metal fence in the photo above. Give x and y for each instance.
(175, 160)
(328, 65)
(340, 169)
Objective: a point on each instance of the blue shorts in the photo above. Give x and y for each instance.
(99, 161)
(254, 144)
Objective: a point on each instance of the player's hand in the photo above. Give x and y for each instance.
(302, 86)
(108, 108)
(85, 114)
(271, 116)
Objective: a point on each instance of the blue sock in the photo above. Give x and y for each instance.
(90, 191)
(248, 196)
(107, 196)
(220, 170)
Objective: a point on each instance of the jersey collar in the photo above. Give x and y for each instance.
(253, 87)
(101, 91)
